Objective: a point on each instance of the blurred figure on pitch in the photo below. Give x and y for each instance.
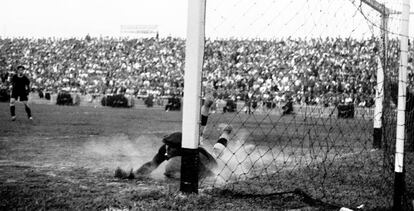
(234, 156)
(174, 104)
(208, 102)
(171, 149)
(20, 91)
(228, 142)
(288, 107)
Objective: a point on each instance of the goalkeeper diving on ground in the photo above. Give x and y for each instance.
(171, 148)
(171, 151)
(221, 159)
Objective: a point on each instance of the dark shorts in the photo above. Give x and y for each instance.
(22, 96)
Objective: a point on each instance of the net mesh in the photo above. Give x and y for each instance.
(294, 89)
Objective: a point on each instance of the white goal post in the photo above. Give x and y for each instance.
(192, 91)
(401, 109)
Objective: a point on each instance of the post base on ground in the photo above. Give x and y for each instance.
(189, 171)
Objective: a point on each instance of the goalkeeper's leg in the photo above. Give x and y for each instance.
(13, 108)
(205, 112)
(28, 110)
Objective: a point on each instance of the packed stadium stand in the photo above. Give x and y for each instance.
(313, 71)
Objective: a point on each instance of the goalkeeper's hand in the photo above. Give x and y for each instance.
(122, 174)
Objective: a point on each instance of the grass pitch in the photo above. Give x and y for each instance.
(66, 157)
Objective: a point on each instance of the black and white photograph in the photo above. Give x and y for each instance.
(291, 105)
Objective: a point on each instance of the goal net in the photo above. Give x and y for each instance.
(295, 85)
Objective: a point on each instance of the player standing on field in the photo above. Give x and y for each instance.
(20, 91)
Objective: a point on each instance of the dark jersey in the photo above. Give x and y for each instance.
(172, 148)
(20, 84)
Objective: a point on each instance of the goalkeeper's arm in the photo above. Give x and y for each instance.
(146, 168)
(150, 166)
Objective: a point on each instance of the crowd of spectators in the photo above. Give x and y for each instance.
(307, 71)
(98, 65)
